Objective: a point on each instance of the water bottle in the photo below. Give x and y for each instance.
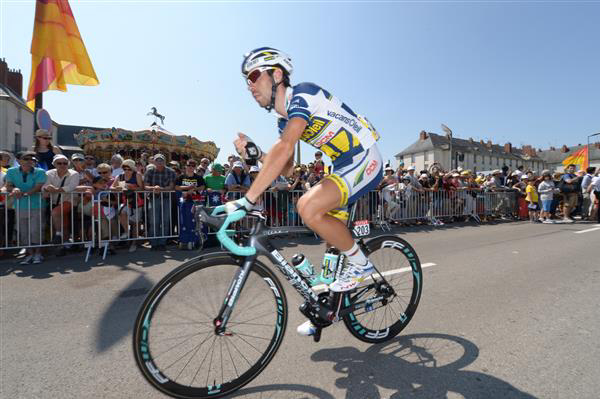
(304, 267)
(330, 261)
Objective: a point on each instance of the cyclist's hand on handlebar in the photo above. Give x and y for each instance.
(240, 204)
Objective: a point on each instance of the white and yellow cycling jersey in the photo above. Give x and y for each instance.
(332, 125)
(346, 137)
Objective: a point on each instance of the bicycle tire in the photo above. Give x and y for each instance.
(409, 262)
(144, 341)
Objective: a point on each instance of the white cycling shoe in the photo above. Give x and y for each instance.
(351, 277)
(307, 328)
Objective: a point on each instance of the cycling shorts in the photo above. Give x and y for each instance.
(362, 175)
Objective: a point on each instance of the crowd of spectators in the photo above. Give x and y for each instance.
(48, 198)
(559, 196)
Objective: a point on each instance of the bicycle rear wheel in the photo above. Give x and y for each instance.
(399, 265)
(174, 339)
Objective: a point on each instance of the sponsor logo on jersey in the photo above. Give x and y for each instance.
(323, 139)
(317, 125)
(349, 121)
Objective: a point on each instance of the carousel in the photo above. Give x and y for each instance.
(132, 144)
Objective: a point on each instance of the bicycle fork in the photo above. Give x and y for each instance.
(233, 293)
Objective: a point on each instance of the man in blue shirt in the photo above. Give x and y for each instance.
(27, 181)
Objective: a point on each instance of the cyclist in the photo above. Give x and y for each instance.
(310, 113)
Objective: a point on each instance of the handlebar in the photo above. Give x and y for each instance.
(219, 219)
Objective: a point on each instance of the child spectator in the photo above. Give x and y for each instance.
(546, 189)
(532, 200)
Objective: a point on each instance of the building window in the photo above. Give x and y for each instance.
(17, 142)
(426, 156)
(498, 161)
(474, 158)
(18, 120)
(412, 158)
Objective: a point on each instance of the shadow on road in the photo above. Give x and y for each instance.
(278, 391)
(417, 366)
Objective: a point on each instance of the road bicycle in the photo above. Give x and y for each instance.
(214, 323)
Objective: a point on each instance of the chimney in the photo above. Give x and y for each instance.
(481, 142)
(489, 144)
(564, 148)
(508, 148)
(423, 135)
(552, 148)
(14, 80)
(471, 140)
(3, 71)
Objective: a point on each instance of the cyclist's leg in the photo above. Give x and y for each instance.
(313, 207)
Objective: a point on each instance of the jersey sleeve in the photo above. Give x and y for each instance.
(303, 103)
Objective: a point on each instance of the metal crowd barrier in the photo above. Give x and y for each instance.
(128, 216)
(42, 221)
(409, 205)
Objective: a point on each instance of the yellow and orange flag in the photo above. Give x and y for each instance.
(579, 158)
(58, 55)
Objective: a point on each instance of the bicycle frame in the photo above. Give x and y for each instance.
(259, 239)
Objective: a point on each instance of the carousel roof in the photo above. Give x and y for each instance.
(155, 139)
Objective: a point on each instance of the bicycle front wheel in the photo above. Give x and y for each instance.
(398, 266)
(174, 339)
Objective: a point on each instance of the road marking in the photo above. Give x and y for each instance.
(588, 230)
(322, 287)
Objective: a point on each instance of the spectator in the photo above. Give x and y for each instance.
(60, 182)
(312, 178)
(586, 207)
(570, 186)
(7, 213)
(78, 161)
(238, 180)
(296, 182)
(203, 169)
(226, 170)
(216, 180)
(5, 158)
(90, 165)
(190, 183)
(27, 182)
(104, 170)
(318, 162)
(159, 179)
(131, 206)
(594, 190)
(44, 149)
(413, 179)
(547, 189)
(115, 162)
(532, 200)
(254, 170)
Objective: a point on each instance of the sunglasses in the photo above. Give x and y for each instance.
(126, 168)
(104, 173)
(77, 160)
(61, 163)
(44, 137)
(27, 159)
(253, 76)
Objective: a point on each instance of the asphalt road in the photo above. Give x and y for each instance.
(507, 311)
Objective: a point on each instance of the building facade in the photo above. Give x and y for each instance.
(16, 119)
(478, 156)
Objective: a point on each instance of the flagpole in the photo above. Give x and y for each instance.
(38, 105)
(588, 147)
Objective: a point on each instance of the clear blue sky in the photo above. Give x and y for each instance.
(524, 72)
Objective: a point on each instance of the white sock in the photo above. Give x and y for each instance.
(355, 255)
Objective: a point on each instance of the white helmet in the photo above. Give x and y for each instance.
(266, 56)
